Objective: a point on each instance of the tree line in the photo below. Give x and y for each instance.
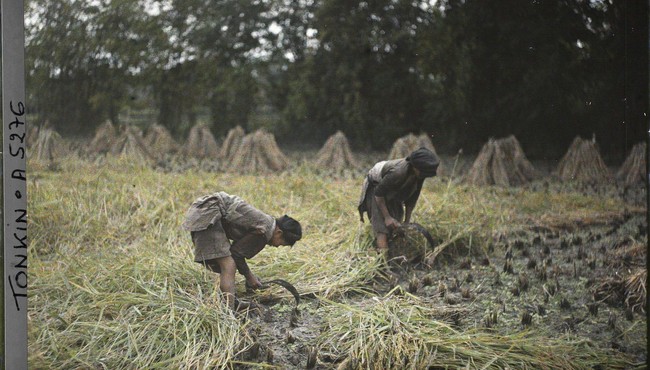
(461, 71)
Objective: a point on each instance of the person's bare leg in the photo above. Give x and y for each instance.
(382, 242)
(227, 279)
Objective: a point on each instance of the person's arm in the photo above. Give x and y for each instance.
(247, 247)
(411, 202)
(391, 181)
(390, 222)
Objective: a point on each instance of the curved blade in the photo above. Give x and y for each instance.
(422, 231)
(288, 286)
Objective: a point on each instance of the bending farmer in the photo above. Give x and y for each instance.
(391, 190)
(217, 219)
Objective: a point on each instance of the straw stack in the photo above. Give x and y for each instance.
(201, 143)
(501, 162)
(582, 163)
(160, 141)
(49, 145)
(258, 153)
(104, 139)
(633, 170)
(131, 144)
(336, 154)
(404, 146)
(231, 143)
(32, 136)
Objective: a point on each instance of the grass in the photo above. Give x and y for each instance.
(406, 332)
(113, 285)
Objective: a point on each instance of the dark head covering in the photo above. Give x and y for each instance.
(424, 161)
(291, 230)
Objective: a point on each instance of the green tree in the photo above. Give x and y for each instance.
(616, 100)
(363, 77)
(462, 70)
(83, 55)
(212, 52)
(544, 71)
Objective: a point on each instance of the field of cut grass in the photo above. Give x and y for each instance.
(113, 284)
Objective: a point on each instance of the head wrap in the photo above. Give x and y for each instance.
(291, 229)
(424, 161)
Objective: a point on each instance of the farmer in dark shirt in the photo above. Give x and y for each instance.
(391, 190)
(216, 219)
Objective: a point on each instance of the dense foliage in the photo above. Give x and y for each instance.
(460, 70)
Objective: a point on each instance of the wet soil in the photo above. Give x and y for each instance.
(568, 280)
(556, 283)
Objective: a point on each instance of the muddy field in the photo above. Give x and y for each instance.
(580, 294)
(571, 280)
(524, 276)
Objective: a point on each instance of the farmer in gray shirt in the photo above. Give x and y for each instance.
(215, 219)
(391, 190)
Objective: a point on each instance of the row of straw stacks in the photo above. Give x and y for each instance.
(500, 162)
(503, 162)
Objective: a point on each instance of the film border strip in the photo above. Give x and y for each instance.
(14, 186)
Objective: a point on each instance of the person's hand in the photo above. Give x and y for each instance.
(252, 282)
(391, 223)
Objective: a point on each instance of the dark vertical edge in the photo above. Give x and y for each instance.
(14, 185)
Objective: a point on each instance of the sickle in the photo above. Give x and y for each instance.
(422, 231)
(293, 320)
(288, 286)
